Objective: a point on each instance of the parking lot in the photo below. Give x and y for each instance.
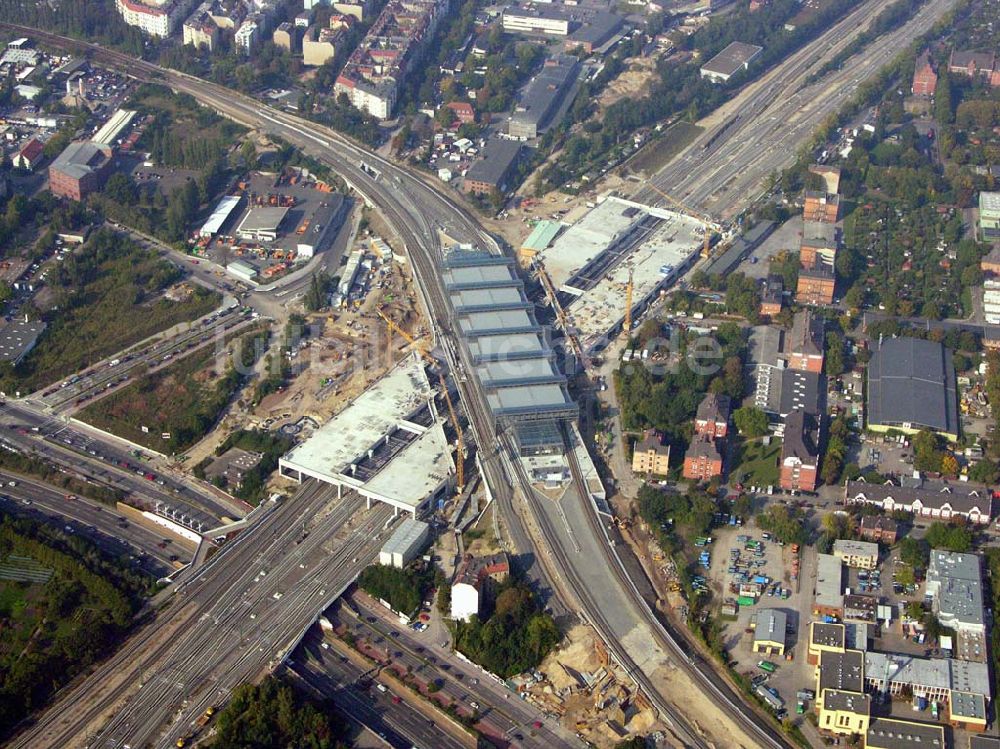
(750, 556)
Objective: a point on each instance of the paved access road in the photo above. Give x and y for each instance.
(766, 124)
(464, 683)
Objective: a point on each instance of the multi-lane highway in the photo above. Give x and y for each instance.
(101, 524)
(91, 455)
(349, 686)
(764, 125)
(232, 620)
(464, 684)
(416, 212)
(577, 563)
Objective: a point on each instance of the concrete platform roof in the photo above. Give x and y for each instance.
(388, 444)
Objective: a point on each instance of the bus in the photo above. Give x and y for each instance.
(767, 666)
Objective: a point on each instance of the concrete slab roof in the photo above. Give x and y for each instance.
(477, 275)
(476, 322)
(507, 346)
(886, 733)
(416, 472)
(495, 373)
(520, 399)
(262, 218)
(645, 239)
(391, 432)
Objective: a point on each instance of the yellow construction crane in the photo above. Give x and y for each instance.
(707, 223)
(627, 327)
(562, 317)
(459, 437)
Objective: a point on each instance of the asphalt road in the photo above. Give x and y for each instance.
(771, 119)
(92, 455)
(232, 620)
(101, 524)
(506, 715)
(398, 724)
(417, 211)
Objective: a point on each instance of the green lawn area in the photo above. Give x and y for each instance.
(757, 463)
(658, 153)
(13, 599)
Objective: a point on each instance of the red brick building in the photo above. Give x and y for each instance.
(703, 461)
(712, 418)
(463, 111)
(806, 342)
(821, 206)
(924, 77)
(816, 285)
(81, 169)
(799, 453)
(879, 529)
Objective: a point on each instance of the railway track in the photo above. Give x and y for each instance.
(410, 209)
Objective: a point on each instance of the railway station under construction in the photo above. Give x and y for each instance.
(388, 444)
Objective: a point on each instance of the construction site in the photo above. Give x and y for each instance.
(607, 268)
(269, 222)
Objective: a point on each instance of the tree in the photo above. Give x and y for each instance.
(915, 552)
(121, 189)
(949, 537)
(984, 472)
(949, 465)
(834, 361)
(750, 421)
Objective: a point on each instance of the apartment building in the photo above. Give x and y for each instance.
(650, 455)
(153, 18)
(800, 453)
(391, 48)
(924, 77)
(862, 555)
(703, 460)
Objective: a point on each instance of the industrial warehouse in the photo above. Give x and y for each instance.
(388, 445)
(592, 262)
(271, 223)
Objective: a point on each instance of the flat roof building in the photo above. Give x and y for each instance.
(911, 386)
(887, 733)
(955, 583)
(543, 97)
(989, 216)
(405, 543)
(261, 224)
(829, 599)
(388, 444)
(735, 57)
(857, 554)
(17, 338)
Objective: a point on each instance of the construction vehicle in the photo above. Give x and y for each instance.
(708, 225)
(459, 436)
(205, 717)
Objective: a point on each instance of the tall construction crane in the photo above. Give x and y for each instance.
(627, 327)
(459, 436)
(708, 225)
(562, 317)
